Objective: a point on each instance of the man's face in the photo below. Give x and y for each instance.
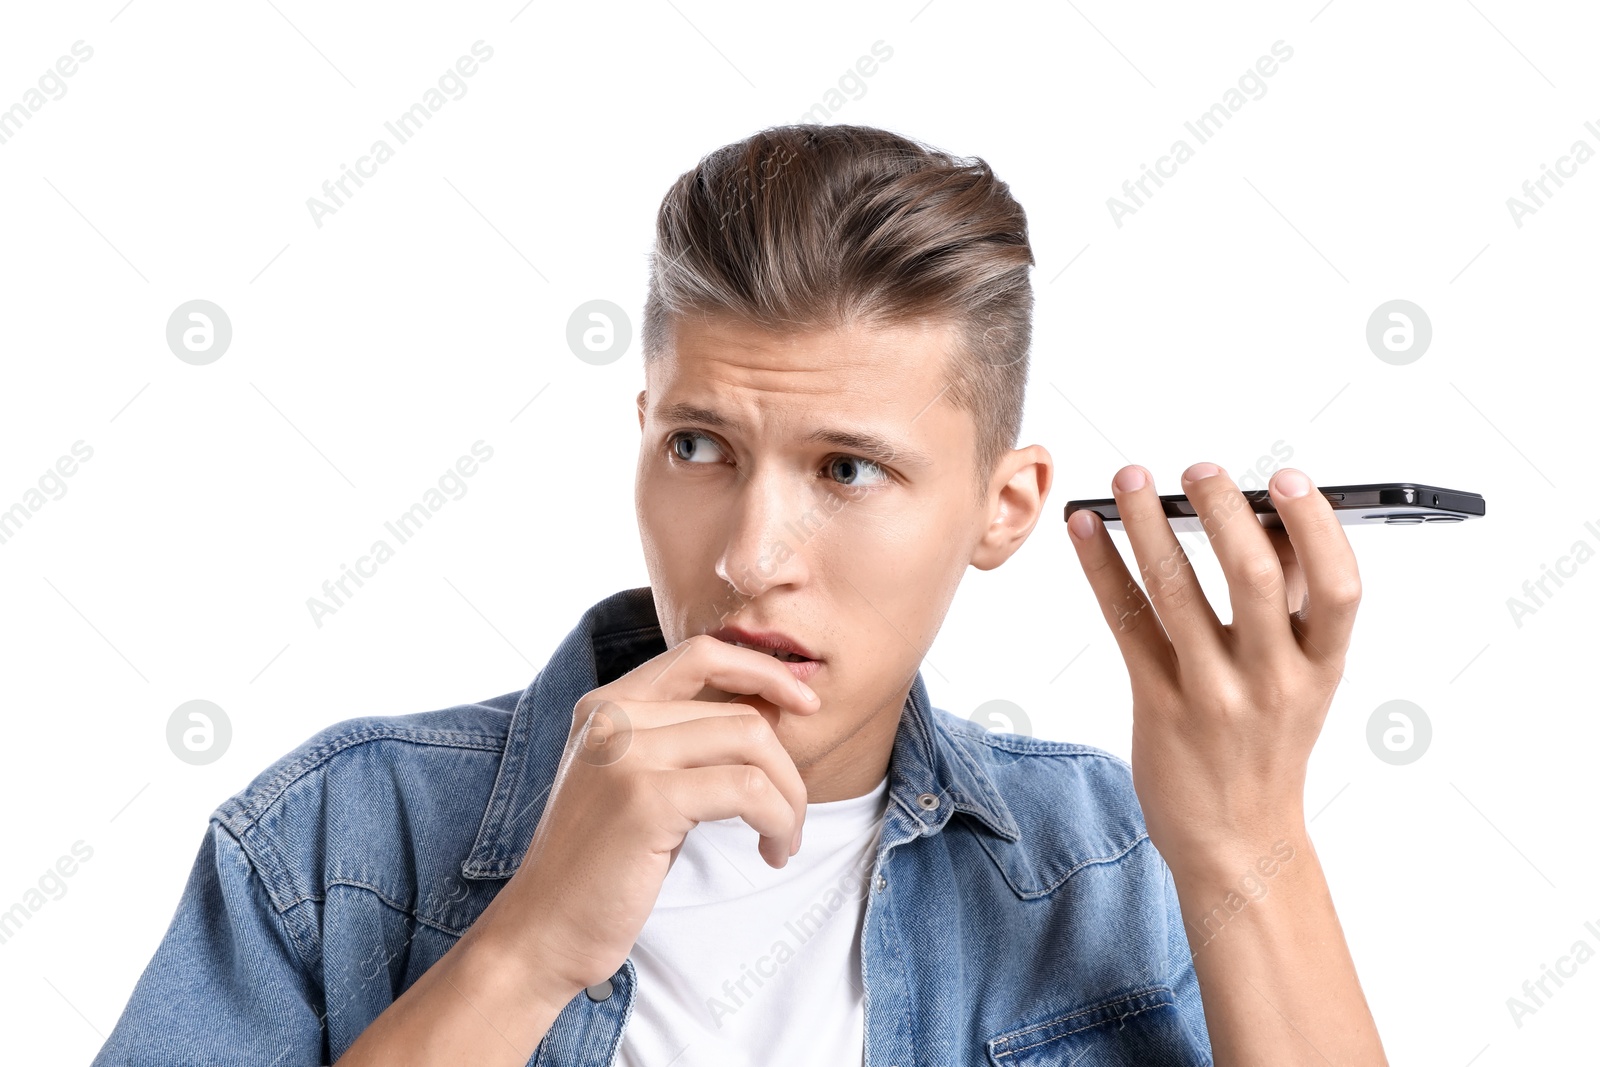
(751, 516)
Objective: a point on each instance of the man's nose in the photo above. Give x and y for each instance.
(760, 551)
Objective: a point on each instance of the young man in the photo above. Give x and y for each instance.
(724, 825)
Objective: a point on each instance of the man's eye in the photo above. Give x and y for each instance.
(683, 446)
(847, 470)
(844, 468)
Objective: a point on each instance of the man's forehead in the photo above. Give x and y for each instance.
(866, 370)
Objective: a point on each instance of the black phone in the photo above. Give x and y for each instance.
(1389, 503)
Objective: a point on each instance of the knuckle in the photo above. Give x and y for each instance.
(1131, 612)
(602, 732)
(1346, 591)
(751, 729)
(1102, 564)
(1276, 688)
(1262, 575)
(1172, 565)
(1175, 590)
(1232, 702)
(752, 782)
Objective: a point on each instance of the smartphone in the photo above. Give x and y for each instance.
(1389, 503)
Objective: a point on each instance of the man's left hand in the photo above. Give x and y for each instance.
(1225, 715)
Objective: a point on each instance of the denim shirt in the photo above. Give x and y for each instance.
(1016, 912)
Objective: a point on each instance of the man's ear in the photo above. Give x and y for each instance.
(640, 401)
(1016, 500)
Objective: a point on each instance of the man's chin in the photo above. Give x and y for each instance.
(792, 729)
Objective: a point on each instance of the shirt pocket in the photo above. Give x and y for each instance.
(1142, 1029)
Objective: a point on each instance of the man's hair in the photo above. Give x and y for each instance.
(810, 226)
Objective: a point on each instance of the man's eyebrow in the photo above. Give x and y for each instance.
(869, 445)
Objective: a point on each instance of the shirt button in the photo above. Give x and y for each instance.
(928, 801)
(883, 883)
(600, 990)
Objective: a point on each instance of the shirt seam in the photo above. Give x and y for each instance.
(1116, 857)
(1029, 747)
(415, 916)
(243, 819)
(284, 928)
(243, 811)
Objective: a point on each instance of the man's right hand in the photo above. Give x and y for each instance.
(648, 757)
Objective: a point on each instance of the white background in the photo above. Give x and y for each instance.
(1226, 315)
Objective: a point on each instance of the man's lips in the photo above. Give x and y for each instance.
(770, 642)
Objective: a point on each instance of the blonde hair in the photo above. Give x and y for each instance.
(810, 226)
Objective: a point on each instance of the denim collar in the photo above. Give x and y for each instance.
(620, 632)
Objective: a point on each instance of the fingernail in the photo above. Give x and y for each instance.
(795, 846)
(1082, 524)
(1199, 471)
(1129, 479)
(806, 691)
(1291, 482)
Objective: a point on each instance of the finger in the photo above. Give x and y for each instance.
(1169, 580)
(701, 794)
(603, 729)
(1126, 609)
(650, 714)
(1294, 580)
(1333, 583)
(686, 670)
(1255, 577)
(714, 740)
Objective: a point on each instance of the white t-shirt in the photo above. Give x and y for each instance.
(740, 963)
